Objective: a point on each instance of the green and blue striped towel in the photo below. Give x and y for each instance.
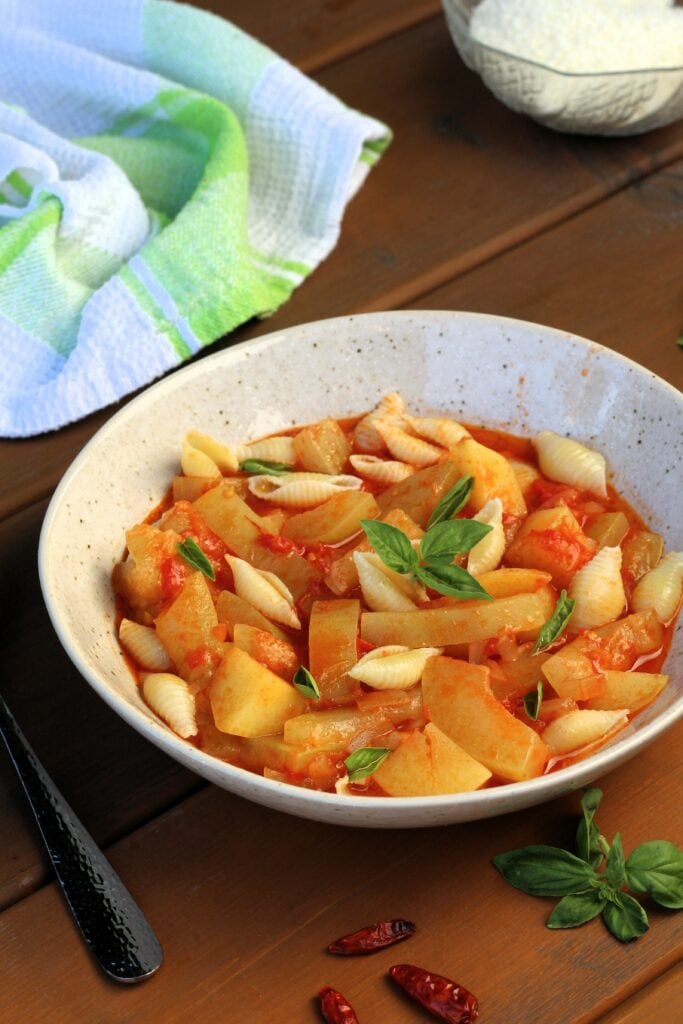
(163, 178)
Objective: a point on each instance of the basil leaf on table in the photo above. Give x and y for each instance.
(553, 628)
(452, 538)
(624, 916)
(305, 683)
(365, 761)
(615, 873)
(545, 871)
(391, 544)
(452, 581)
(656, 868)
(452, 501)
(588, 833)
(576, 909)
(190, 550)
(532, 701)
(264, 467)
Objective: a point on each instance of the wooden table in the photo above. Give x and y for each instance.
(472, 208)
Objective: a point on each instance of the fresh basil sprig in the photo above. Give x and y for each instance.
(190, 550)
(655, 868)
(452, 501)
(552, 629)
(306, 684)
(532, 701)
(365, 761)
(432, 562)
(263, 466)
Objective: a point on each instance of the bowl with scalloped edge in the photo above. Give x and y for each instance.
(489, 370)
(589, 103)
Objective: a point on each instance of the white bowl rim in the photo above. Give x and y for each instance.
(489, 802)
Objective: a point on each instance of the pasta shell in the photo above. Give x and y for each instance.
(390, 410)
(144, 645)
(341, 786)
(264, 591)
(195, 462)
(569, 462)
(525, 473)
(222, 455)
(661, 588)
(407, 448)
(274, 449)
(392, 667)
(301, 490)
(170, 698)
(383, 590)
(444, 432)
(487, 554)
(576, 729)
(382, 471)
(598, 591)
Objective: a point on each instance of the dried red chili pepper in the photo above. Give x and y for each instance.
(335, 1009)
(374, 936)
(445, 1000)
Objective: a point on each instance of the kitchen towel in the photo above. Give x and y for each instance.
(164, 177)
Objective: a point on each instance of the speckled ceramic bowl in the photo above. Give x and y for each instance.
(504, 373)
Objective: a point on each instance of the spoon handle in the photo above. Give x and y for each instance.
(110, 921)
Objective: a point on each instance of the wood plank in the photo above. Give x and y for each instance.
(453, 139)
(114, 779)
(662, 1000)
(612, 274)
(245, 899)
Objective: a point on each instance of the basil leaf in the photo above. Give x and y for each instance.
(391, 544)
(452, 501)
(452, 538)
(190, 550)
(451, 580)
(545, 871)
(588, 833)
(624, 917)
(263, 466)
(576, 909)
(532, 701)
(551, 630)
(306, 684)
(656, 868)
(365, 761)
(615, 873)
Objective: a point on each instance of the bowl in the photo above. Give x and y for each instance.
(598, 103)
(483, 369)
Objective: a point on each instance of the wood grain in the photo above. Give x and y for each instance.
(464, 180)
(245, 900)
(661, 1001)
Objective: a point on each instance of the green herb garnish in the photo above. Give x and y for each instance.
(365, 761)
(551, 630)
(592, 883)
(306, 684)
(263, 466)
(452, 502)
(190, 550)
(532, 701)
(432, 562)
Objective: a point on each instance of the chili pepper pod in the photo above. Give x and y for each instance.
(335, 1008)
(443, 998)
(373, 937)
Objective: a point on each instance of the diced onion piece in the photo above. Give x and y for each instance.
(383, 590)
(568, 462)
(170, 697)
(488, 552)
(389, 410)
(393, 667)
(661, 588)
(301, 490)
(195, 462)
(144, 645)
(221, 454)
(442, 431)
(383, 471)
(264, 591)
(598, 591)
(579, 728)
(406, 447)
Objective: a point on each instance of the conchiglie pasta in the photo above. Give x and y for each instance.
(274, 449)
(264, 591)
(383, 590)
(170, 698)
(661, 588)
(383, 471)
(487, 554)
(577, 729)
(301, 490)
(221, 455)
(143, 644)
(196, 463)
(568, 462)
(525, 473)
(390, 410)
(598, 591)
(443, 432)
(393, 667)
(407, 447)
